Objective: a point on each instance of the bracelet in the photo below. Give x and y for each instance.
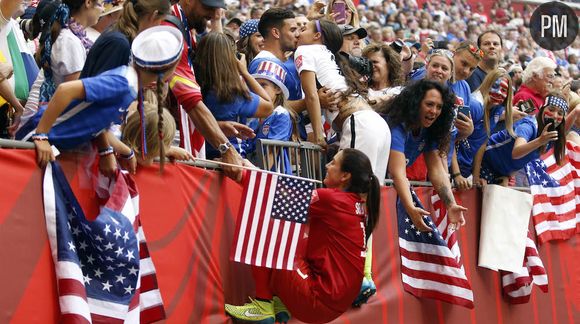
(455, 175)
(409, 58)
(127, 156)
(39, 137)
(106, 151)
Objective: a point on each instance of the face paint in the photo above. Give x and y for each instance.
(499, 91)
(555, 109)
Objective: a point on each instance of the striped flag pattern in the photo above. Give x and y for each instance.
(271, 223)
(104, 272)
(430, 261)
(556, 191)
(518, 286)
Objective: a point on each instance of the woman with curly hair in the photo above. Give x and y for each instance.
(420, 118)
(387, 79)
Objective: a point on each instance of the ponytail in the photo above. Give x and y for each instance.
(160, 122)
(133, 10)
(373, 204)
(59, 20)
(363, 181)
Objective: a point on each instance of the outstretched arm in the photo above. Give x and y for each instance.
(397, 165)
(64, 95)
(441, 184)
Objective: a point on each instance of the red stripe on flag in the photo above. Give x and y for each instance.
(440, 296)
(73, 319)
(72, 287)
(437, 277)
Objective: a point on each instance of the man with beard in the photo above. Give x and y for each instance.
(280, 31)
(491, 43)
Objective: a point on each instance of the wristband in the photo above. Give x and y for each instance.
(455, 175)
(106, 151)
(127, 156)
(409, 58)
(39, 137)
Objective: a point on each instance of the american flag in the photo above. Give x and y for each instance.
(430, 261)
(271, 223)
(556, 191)
(518, 286)
(103, 268)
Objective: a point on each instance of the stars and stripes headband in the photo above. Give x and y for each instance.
(249, 28)
(556, 102)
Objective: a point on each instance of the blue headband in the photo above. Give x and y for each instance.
(318, 29)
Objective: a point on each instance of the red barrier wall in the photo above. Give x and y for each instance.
(188, 215)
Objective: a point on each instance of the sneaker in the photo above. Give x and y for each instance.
(367, 290)
(282, 313)
(255, 311)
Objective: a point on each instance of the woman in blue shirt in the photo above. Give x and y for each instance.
(495, 92)
(226, 95)
(420, 118)
(506, 154)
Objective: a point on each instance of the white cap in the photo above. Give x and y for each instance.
(157, 48)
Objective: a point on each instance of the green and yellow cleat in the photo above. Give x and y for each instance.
(282, 313)
(255, 311)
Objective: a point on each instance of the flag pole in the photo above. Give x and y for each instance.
(253, 169)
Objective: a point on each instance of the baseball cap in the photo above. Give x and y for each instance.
(214, 3)
(235, 20)
(348, 30)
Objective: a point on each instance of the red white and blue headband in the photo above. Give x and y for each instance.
(556, 102)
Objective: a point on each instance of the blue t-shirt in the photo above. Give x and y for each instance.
(112, 49)
(277, 126)
(238, 110)
(498, 153)
(292, 81)
(461, 91)
(107, 99)
(402, 140)
(494, 116)
(467, 148)
(476, 78)
(418, 74)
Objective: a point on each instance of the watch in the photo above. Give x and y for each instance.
(224, 147)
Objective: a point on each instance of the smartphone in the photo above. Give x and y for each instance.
(340, 10)
(550, 121)
(464, 110)
(526, 106)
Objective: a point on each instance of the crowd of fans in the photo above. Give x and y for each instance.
(440, 91)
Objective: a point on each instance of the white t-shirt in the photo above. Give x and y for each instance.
(318, 59)
(386, 92)
(68, 56)
(372, 136)
(92, 34)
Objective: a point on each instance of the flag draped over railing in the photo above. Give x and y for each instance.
(430, 261)
(518, 285)
(556, 191)
(103, 268)
(271, 221)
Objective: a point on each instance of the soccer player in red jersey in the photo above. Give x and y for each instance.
(326, 281)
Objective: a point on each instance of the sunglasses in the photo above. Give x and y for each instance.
(441, 52)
